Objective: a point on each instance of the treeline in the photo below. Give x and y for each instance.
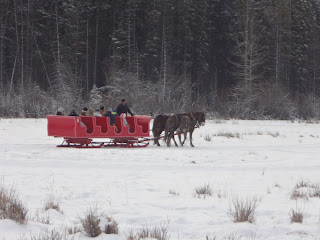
(236, 58)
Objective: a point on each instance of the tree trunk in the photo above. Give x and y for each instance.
(22, 51)
(87, 57)
(58, 52)
(96, 50)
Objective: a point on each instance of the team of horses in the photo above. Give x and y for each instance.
(177, 123)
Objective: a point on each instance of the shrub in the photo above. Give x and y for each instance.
(131, 235)
(296, 216)
(228, 134)
(51, 204)
(173, 192)
(111, 227)
(315, 192)
(159, 232)
(207, 138)
(243, 210)
(203, 191)
(295, 194)
(221, 193)
(302, 183)
(305, 189)
(73, 230)
(11, 206)
(91, 222)
(273, 134)
(277, 185)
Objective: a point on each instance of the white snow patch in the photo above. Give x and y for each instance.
(266, 160)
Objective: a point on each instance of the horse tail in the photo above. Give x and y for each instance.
(165, 135)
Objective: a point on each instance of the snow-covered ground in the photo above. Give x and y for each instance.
(244, 159)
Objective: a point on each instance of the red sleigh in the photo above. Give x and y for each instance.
(80, 131)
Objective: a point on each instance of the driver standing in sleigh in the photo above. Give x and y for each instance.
(123, 108)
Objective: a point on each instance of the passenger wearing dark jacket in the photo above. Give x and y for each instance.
(73, 113)
(123, 108)
(111, 116)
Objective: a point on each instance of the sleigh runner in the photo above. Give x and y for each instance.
(80, 131)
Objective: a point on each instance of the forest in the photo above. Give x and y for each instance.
(247, 59)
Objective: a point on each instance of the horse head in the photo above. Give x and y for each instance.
(201, 118)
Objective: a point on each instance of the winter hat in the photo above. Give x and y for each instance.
(85, 109)
(102, 108)
(91, 111)
(109, 109)
(123, 100)
(60, 109)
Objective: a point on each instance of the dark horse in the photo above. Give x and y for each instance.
(172, 124)
(196, 119)
(159, 124)
(184, 123)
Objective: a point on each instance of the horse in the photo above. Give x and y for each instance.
(196, 118)
(172, 124)
(159, 124)
(185, 122)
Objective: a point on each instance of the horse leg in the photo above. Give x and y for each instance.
(179, 136)
(190, 135)
(155, 137)
(166, 136)
(156, 140)
(169, 139)
(174, 140)
(185, 136)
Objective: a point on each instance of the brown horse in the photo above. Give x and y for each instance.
(196, 118)
(184, 123)
(172, 124)
(159, 124)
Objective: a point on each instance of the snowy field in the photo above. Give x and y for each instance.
(156, 185)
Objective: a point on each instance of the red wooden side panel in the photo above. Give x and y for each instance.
(103, 123)
(97, 127)
(61, 126)
(131, 122)
(89, 123)
(144, 122)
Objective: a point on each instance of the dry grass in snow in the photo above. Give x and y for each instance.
(173, 192)
(47, 235)
(158, 232)
(203, 191)
(51, 204)
(242, 210)
(296, 216)
(231, 236)
(111, 226)
(90, 223)
(305, 189)
(207, 138)
(11, 206)
(41, 218)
